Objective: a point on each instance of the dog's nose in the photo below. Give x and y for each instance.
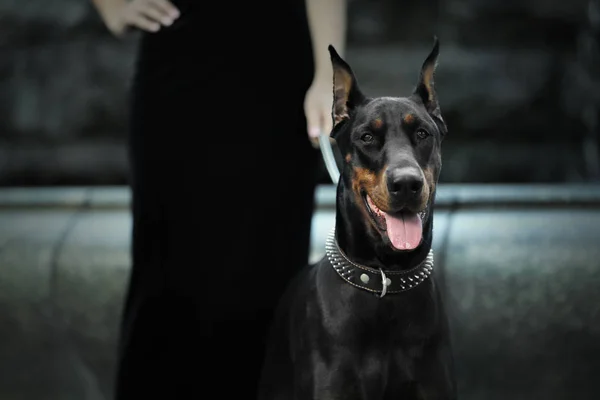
(405, 182)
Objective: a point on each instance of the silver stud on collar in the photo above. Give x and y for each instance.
(364, 278)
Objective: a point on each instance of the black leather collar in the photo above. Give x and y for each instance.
(371, 279)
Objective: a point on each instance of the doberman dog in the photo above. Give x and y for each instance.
(367, 321)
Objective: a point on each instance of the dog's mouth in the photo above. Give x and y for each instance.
(404, 229)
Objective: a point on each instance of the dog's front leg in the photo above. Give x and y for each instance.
(333, 380)
(435, 375)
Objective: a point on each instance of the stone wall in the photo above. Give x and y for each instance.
(582, 87)
(63, 88)
(517, 81)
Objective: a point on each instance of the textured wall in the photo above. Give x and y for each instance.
(516, 81)
(63, 88)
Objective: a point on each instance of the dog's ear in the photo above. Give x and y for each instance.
(346, 94)
(425, 87)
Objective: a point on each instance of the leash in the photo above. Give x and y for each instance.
(328, 158)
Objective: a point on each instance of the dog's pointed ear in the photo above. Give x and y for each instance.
(425, 87)
(346, 94)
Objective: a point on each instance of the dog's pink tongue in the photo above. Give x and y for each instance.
(405, 231)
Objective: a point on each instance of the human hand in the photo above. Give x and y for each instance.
(317, 108)
(147, 15)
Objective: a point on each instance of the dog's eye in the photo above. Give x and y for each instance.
(422, 134)
(367, 138)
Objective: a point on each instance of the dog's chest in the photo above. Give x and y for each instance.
(358, 316)
(378, 371)
(395, 328)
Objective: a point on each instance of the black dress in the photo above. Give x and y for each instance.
(223, 178)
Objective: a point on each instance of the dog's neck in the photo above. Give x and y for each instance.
(364, 246)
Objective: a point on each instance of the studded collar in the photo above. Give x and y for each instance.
(373, 280)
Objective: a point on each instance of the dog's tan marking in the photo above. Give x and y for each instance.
(408, 119)
(342, 84)
(364, 179)
(377, 123)
(374, 184)
(348, 158)
(427, 74)
(428, 187)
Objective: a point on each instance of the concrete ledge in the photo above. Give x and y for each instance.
(520, 267)
(448, 196)
(106, 197)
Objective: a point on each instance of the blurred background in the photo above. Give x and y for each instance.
(518, 84)
(518, 218)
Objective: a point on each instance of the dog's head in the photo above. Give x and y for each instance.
(390, 147)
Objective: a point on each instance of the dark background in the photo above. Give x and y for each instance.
(518, 83)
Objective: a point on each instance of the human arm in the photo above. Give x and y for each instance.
(147, 15)
(328, 22)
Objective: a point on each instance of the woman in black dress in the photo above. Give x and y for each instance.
(224, 99)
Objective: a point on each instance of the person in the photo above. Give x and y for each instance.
(224, 99)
